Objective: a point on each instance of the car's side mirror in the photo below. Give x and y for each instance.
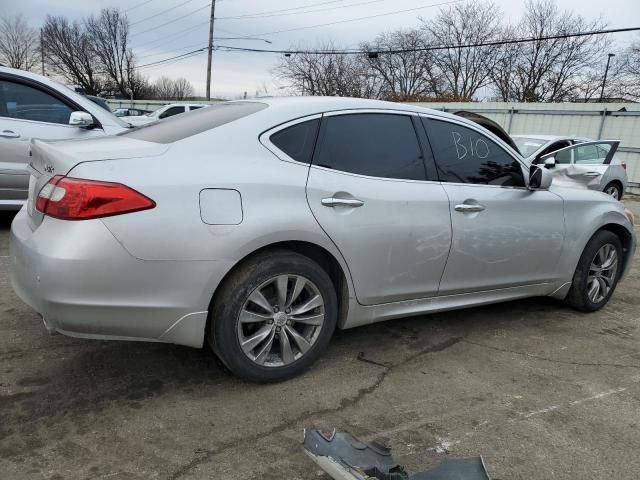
(81, 120)
(550, 162)
(539, 178)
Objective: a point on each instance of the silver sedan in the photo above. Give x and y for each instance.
(593, 165)
(260, 227)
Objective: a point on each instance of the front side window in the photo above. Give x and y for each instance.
(373, 144)
(24, 102)
(298, 140)
(171, 111)
(463, 155)
(585, 154)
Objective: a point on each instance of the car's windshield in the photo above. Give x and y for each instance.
(528, 145)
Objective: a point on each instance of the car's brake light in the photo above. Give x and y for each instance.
(624, 165)
(79, 199)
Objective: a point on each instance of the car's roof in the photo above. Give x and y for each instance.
(295, 107)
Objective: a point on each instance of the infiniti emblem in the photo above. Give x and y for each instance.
(49, 168)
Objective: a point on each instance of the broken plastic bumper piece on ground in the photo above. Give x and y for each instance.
(344, 457)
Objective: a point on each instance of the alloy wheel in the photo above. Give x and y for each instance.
(602, 273)
(613, 191)
(281, 320)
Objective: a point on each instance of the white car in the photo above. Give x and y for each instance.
(592, 165)
(33, 106)
(163, 112)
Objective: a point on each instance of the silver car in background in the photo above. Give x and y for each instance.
(262, 226)
(33, 106)
(594, 165)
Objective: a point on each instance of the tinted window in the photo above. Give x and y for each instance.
(195, 107)
(169, 112)
(374, 144)
(29, 103)
(463, 155)
(553, 148)
(298, 140)
(183, 126)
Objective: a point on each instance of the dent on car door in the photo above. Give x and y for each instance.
(368, 190)
(503, 234)
(583, 164)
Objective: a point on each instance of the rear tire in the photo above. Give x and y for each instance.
(273, 317)
(614, 190)
(597, 273)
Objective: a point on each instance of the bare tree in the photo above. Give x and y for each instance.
(68, 50)
(407, 71)
(549, 70)
(163, 88)
(465, 70)
(328, 73)
(166, 88)
(628, 75)
(109, 33)
(18, 43)
(182, 88)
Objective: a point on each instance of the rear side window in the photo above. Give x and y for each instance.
(373, 144)
(464, 155)
(298, 140)
(183, 126)
(170, 112)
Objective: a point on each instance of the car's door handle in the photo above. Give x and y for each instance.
(342, 202)
(592, 174)
(469, 207)
(9, 134)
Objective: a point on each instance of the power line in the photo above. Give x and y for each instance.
(182, 56)
(361, 18)
(435, 47)
(396, 51)
(138, 5)
(252, 17)
(171, 21)
(281, 10)
(160, 13)
(164, 40)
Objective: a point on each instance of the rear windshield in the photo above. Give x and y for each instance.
(178, 127)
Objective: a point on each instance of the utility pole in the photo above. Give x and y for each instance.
(606, 71)
(213, 10)
(42, 51)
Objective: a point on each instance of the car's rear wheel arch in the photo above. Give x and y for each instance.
(325, 259)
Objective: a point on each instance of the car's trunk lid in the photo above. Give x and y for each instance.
(50, 158)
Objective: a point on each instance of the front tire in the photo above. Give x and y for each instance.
(613, 189)
(273, 317)
(597, 273)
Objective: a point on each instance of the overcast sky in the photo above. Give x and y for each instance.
(165, 34)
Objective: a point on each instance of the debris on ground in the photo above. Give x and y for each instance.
(344, 457)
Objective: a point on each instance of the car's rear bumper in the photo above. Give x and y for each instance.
(85, 284)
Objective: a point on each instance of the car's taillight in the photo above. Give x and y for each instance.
(624, 165)
(78, 199)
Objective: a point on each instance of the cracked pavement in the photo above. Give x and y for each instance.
(538, 390)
